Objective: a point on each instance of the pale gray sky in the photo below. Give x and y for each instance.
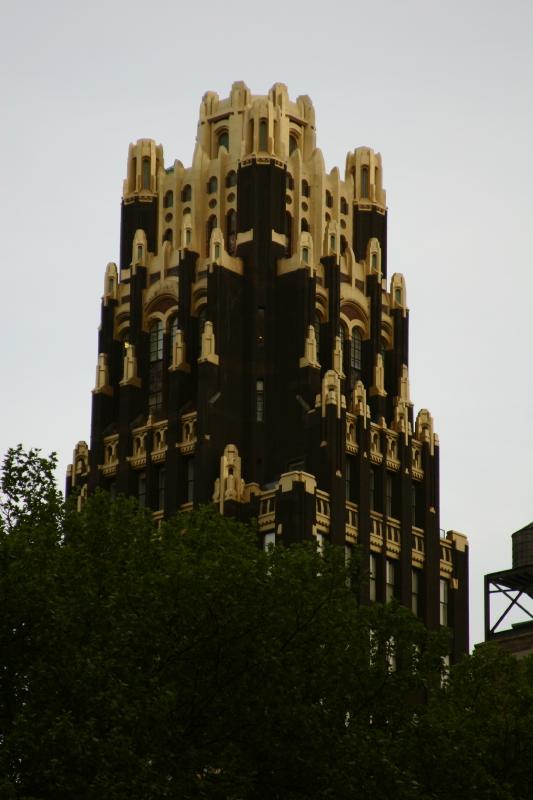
(441, 89)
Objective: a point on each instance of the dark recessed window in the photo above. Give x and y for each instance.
(364, 181)
(231, 179)
(289, 181)
(231, 231)
(306, 191)
(329, 199)
(355, 349)
(156, 341)
(293, 143)
(186, 194)
(146, 173)
(263, 134)
(210, 227)
(304, 225)
(344, 206)
(223, 140)
(212, 184)
(168, 217)
(168, 200)
(167, 237)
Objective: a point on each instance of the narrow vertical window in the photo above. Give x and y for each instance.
(231, 231)
(355, 349)
(415, 592)
(231, 179)
(212, 184)
(190, 480)
(288, 234)
(133, 174)
(390, 580)
(210, 227)
(186, 193)
(168, 200)
(372, 489)
(443, 601)
(316, 326)
(305, 255)
(388, 495)
(329, 199)
(168, 236)
(141, 489)
(263, 134)
(146, 173)
(155, 377)
(293, 143)
(161, 489)
(223, 140)
(364, 181)
(259, 400)
(372, 577)
(374, 261)
(139, 253)
(305, 189)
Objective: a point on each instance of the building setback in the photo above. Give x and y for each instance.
(253, 353)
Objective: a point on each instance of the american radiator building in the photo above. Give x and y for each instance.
(253, 353)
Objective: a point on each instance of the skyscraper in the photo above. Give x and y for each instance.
(254, 353)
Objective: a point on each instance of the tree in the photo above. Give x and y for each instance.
(187, 662)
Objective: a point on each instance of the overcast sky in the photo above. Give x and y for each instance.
(442, 89)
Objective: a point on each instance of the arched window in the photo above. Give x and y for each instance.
(212, 184)
(223, 139)
(263, 134)
(329, 199)
(374, 261)
(186, 193)
(251, 135)
(355, 349)
(146, 173)
(293, 143)
(210, 227)
(344, 244)
(289, 182)
(231, 231)
(344, 206)
(288, 234)
(231, 179)
(304, 225)
(168, 200)
(306, 191)
(364, 181)
(167, 237)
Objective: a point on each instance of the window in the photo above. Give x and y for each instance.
(259, 400)
(372, 576)
(289, 181)
(217, 250)
(306, 191)
(355, 349)
(374, 261)
(212, 184)
(304, 225)
(231, 179)
(186, 193)
(190, 480)
(139, 253)
(156, 341)
(173, 329)
(167, 237)
(223, 140)
(316, 326)
(263, 134)
(443, 601)
(202, 316)
(372, 489)
(390, 576)
(269, 540)
(305, 255)
(388, 495)
(209, 228)
(329, 199)
(168, 200)
(146, 173)
(141, 489)
(288, 234)
(398, 296)
(231, 231)
(293, 143)
(344, 206)
(344, 244)
(415, 592)
(332, 242)
(188, 236)
(364, 181)
(161, 489)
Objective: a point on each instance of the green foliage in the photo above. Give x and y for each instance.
(186, 662)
